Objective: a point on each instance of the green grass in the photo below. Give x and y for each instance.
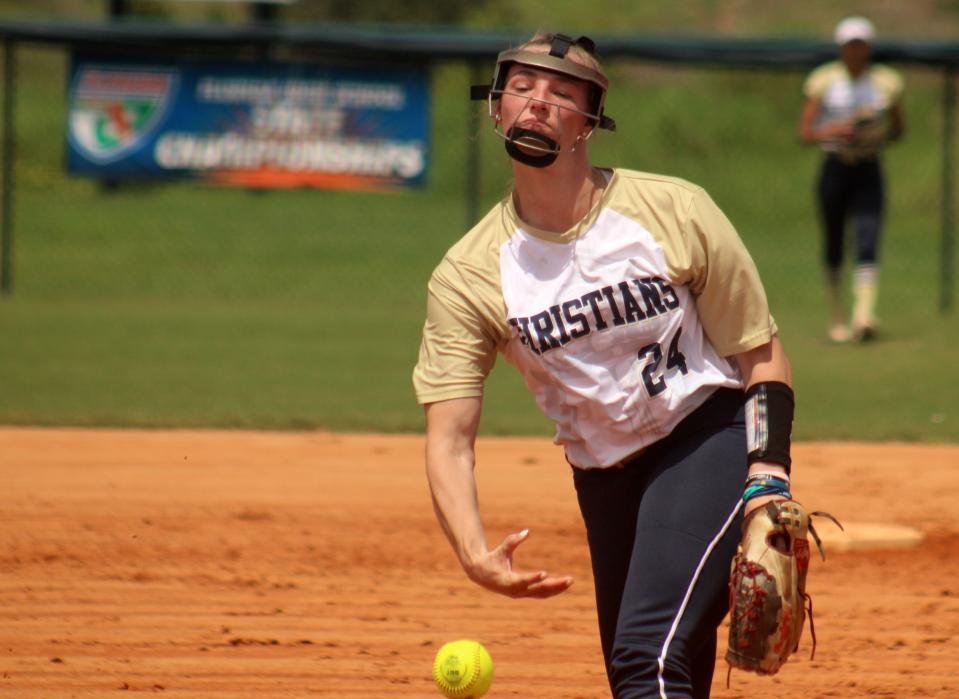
(190, 305)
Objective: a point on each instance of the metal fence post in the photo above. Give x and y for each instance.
(946, 256)
(6, 194)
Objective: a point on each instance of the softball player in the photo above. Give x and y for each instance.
(852, 109)
(639, 322)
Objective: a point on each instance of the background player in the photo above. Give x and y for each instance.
(637, 317)
(853, 108)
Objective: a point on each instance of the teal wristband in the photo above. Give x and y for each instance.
(755, 491)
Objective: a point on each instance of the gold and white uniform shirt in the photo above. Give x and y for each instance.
(864, 100)
(621, 326)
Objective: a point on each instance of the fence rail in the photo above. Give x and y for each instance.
(446, 45)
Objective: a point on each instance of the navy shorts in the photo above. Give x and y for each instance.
(662, 532)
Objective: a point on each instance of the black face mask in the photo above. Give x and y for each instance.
(518, 136)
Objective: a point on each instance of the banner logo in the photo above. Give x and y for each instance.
(115, 110)
(251, 125)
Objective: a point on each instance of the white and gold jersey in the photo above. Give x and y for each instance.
(864, 101)
(621, 326)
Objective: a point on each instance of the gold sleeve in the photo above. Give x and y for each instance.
(457, 351)
(723, 278)
(819, 80)
(890, 82)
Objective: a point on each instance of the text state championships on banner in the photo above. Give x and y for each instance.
(176, 151)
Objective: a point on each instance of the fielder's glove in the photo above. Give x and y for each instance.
(767, 587)
(872, 133)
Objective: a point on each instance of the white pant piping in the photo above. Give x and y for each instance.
(689, 593)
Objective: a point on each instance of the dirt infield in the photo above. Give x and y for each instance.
(227, 564)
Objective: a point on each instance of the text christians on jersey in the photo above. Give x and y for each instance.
(566, 321)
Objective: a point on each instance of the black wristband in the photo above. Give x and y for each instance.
(769, 421)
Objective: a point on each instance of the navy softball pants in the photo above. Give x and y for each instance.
(850, 191)
(662, 532)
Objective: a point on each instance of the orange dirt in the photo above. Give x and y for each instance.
(230, 564)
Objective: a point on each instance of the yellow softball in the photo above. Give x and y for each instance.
(463, 670)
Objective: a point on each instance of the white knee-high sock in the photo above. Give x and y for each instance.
(865, 290)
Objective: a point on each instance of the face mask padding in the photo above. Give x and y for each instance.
(518, 136)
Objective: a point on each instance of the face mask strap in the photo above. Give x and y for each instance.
(560, 45)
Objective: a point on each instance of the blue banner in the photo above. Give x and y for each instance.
(250, 125)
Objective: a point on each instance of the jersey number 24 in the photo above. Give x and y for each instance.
(651, 356)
